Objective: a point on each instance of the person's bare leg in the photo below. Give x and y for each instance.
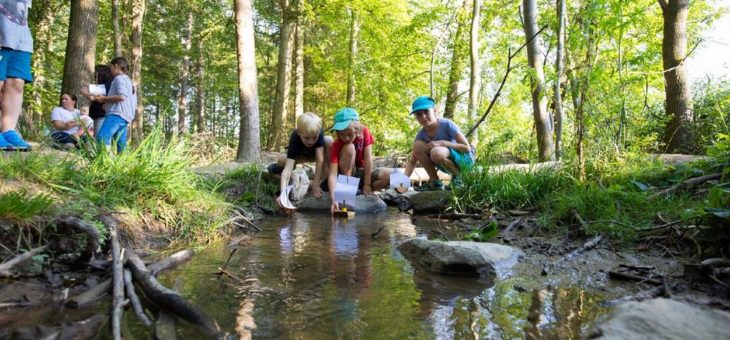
(281, 160)
(383, 180)
(440, 155)
(12, 102)
(420, 151)
(347, 160)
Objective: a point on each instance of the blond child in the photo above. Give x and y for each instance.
(307, 143)
(86, 121)
(352, 156)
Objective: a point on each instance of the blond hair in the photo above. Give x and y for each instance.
(309, 123)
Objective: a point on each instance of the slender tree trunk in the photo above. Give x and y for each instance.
(138, 12)
(299, 64)
(354, 30)
(283, 79)
(115, 29)
(248, 137)
(45, 14)
(78, 68)
(182, 98)
(458, 56)
(474, 85)
(200, 98)
(677, 134)
(546, 148)
(558, 76)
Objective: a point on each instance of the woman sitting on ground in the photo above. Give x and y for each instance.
(65, 119)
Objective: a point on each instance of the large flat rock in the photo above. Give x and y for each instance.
(363, 204)
(427, 202)
(663, 319)
(463, 258)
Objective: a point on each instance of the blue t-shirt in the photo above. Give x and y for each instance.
(446, 131)
(14, 30)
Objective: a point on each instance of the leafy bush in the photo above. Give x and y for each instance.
(20, 205)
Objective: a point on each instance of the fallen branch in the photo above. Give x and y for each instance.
(169, 299)
(7, 266)
(171, 261)
(585, 247)
(134, 299)
(716, 262)
(117, 285)
(454, 216)
(229, 274)
(92, 236)
(690, 183)
(632, 277)
(512, 225)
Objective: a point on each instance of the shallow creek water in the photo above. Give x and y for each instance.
(314, 277)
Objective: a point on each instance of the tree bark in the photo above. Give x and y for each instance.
(474, 85)
(283, 79)
(299, 64)
(138, 12)
(115, 29)
(457, 62)
(78, 67)
(200, 97)
(539, 100)
(354, 30)
(558, 77)
(678, 105)
(43, 39)
(182, 98)
(248, 137)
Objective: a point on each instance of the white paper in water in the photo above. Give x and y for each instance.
(397, 179)
(346, 190)
(97, 89)
(284, 198)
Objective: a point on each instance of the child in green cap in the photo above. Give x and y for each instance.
(439, 144)
(352, 156)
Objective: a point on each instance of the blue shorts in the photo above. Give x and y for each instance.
(15, 64)
(463, 160)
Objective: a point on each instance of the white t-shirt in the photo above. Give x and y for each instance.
(59, 113)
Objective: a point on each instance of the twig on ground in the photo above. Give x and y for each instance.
(377, 232)
(632, 277)
(690, 183)
(229, 274)
(6, 266)
(716, 262)
(118, 285)
(134, 299)
(512, 225)
(585, 247)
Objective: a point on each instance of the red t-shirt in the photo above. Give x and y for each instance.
(360, 144)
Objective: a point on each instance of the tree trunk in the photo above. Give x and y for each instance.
(138, 11)
(299, 64)
(677, 135)
(115, 29)
(457, 62)
(200, 98)
(182, 98)
(248, 137)
(43, 40)
(474, 85)
(354, 30)
(283, 80)
(546, 149)
(78, 67)
(558, 76)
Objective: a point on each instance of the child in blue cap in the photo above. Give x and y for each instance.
(439, 144)
(352, 155)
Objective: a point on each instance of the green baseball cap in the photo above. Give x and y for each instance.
(422, 103)
(344, 117)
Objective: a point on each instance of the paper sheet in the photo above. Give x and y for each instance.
(97, 89)
(284, 198)
(346, 190)
(397, 179)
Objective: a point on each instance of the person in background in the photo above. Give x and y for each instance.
(16, 48)
(65, 120)
(439, 144)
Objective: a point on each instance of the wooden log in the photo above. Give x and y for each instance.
(171, 261)
(169, 299)
(117, 287)
(690, 183)
(134, 299)
(92, 236)
(7, 266)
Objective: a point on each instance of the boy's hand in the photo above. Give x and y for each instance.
(367, 189)
(317, 191)
(334, 207)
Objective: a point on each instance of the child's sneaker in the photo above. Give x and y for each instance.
(275, 169)
(431, 186)
(16, 141)
(4, 145)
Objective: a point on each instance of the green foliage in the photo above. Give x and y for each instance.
(483, 233)
(251, 185)
(20, 205)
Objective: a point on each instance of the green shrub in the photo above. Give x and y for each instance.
(20, 205)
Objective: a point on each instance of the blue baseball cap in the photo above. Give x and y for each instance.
(344, 117)
(422, 103)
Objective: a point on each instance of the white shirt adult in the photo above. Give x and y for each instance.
(62, 115)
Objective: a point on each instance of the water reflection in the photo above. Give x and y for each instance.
(311, 276)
